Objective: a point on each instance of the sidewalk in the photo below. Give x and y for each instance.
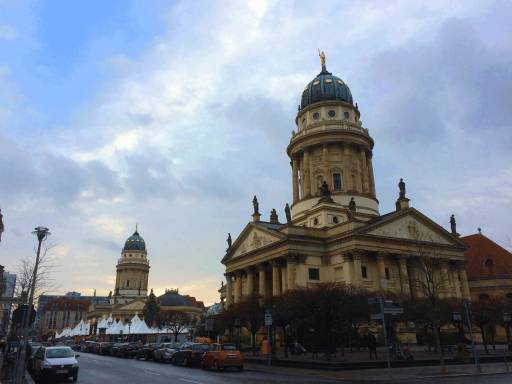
(395, 375)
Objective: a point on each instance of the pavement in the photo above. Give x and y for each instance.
(96, 369)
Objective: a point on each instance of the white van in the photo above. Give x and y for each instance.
(55, 362)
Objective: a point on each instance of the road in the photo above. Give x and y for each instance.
(96, 369)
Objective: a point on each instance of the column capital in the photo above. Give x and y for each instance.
(262, 267)
(291, 259)
(237, 273)
(250, 270)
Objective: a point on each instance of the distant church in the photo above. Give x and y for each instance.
(333, 230)
(131, 287)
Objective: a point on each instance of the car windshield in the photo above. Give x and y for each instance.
(201, 347)
(56, 353)
(229, 347)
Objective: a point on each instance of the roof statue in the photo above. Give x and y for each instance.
(351, 208)
(321, 54)
(453, 225)
(401, 187)
(325, 193)
(229, 241)
(288, 213)
(1, 225)
(273, 216)
(256, 205)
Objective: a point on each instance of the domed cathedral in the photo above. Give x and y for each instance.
(131, 287)
(333, 231)
(132, 271)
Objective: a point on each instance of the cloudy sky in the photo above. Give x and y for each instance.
(173, 115)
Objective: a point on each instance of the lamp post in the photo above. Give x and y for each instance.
(507, 319)
(41, 233)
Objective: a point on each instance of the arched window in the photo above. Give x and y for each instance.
(489, 263)
(127, 283)
(336, 181)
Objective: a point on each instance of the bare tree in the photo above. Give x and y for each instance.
(44, 280)
(430, 282)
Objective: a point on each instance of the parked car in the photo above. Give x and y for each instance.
(116, 347)
(88, 346)
(31, 353)
(165, 351)
(222, 356)
(125, 349)
(146, 351)
(104, 348)
(51, 362)
(189, 354)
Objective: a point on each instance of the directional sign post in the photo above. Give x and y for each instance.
(268, 323)
(385, 307)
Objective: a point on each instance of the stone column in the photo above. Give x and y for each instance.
(347, 173)
(312, 181)
(300, 271)
(383, 282)
(306, 170)
(463, 278)
(250, 281)
(404, 276)
(238, 286)
(413, 281)
(348, 268)
(456, 282)
(291, 263)
(229, 290)
(370, 171)
(445, 280)
(325, 161)
(283, 278)
(262, 290)
(276, 279)
(356, 257)
(295, 180)
(364, 171)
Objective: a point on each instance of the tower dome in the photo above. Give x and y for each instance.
(135, 243)
(325, 86)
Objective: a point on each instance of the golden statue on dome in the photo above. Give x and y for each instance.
(322, 58)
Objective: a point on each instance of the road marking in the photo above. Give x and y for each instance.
(190, 381)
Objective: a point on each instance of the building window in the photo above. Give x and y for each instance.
(489, 263)
(127, 283)
(335, 220)
(332, 113)
(346, 114)
(336, 181)
(483, 296)
(364, 272)
(316, 116)
(386, 271)
(314, 274)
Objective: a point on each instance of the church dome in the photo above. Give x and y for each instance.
(324, 87)
(135, 243)
(172, 298)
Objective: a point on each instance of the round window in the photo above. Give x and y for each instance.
(332, 113)
(304, 122)
(335, 219)
(316, 115)
(315, 222)
(346, 114)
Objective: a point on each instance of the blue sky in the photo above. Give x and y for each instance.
(174, 114)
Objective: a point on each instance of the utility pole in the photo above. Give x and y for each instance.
(41, 233)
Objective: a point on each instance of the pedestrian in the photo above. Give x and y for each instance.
(265, 347)
(372, 345)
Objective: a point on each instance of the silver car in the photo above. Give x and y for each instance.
(165, 351)
(51, 362)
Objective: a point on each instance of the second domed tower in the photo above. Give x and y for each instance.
(132, 271)
(331, 145)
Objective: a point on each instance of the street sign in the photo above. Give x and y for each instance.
(376, 316)
(393, 311)
(268, 318)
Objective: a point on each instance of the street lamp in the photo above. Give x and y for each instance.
(42, 233)
(507, 319)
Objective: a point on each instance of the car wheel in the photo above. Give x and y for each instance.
(75, 377)
(185, 362)
(173, 360)
(216, 365)
(240, 368)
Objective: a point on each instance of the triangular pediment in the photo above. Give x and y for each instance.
(253, 237)
(411, 226)
(137, 304)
